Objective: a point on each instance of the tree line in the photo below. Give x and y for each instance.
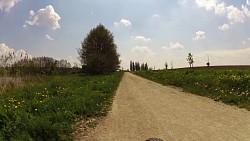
(135, 66)
(33, 66)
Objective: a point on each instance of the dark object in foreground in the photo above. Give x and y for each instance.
(154, 139)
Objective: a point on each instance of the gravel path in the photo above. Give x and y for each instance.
(144, 109)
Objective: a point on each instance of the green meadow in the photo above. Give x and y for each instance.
(46, 109)
(229, 86)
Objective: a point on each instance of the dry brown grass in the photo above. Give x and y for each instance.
(9, 82)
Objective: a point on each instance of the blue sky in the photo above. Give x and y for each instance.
(152, 31)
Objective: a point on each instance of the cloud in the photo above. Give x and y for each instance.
(200, 35)
(14, 56)
(234, 14)
(123, 22)
(5, 50)
(141, 38)
(208, 4)
(224, 27)
(220, 9)
(143, 50)
(211, 5)
(48, 37)
(245, 10)
(174, 46)
(156, 16)
(74, 61)
(46, 16)
(6, 5)
(247, 2)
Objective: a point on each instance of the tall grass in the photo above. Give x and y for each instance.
(45, 110)
(229, 86)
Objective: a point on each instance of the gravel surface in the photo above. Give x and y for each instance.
(143, 109)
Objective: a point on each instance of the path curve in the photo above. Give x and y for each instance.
(143, 109)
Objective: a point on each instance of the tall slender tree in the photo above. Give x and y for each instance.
(190, 60)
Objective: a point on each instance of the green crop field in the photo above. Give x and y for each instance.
(46, 109)
(229, 86)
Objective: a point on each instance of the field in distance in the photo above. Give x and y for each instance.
(229, 86)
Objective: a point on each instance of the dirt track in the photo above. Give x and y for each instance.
(144, 109)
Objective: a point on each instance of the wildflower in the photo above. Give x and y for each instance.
(18, 103)
(15, 107)
(35, 109)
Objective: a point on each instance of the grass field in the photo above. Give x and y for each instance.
(228, 86)
(46, 110)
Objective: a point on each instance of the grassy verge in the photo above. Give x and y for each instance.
(45, 110)
(228, 86)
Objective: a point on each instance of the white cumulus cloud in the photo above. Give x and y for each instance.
(48, 37)
(6, 5)
(46, 16)
(224, 27)
(211, 5)
(247, 2)
(220, 9)
(174, 46)
(12, 55)
(200, 35)
(234, 14)
(208, 4)
(123, 22)
(141, 38)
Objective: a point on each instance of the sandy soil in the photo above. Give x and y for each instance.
(143, 109)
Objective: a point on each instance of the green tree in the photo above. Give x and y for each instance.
(131, 66)
(166, 65)
(146, 66)
(190, 60)
(98, 53)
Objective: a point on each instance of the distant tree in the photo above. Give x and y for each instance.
(146, 66)
(190, 60)
(208, 64)
(142, 66)
(166, 65)
(137, 66)
(99, 52)
(131, 66)
(172, 66)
